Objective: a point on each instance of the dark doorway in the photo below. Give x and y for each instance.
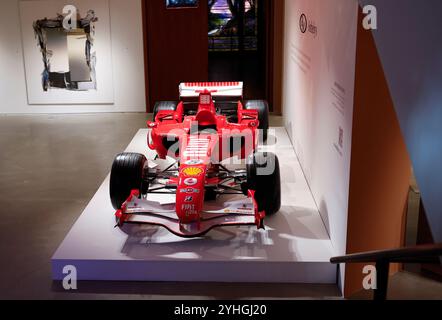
(237, 44)
(179, 47)
(175, 46)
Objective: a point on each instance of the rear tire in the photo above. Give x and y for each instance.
(263, 114)
(164, 106)
(263, 176)
(126, 175)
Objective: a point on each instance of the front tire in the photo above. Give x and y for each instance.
(126, 175)
(164, 106)
(263, 176)
(263, 114)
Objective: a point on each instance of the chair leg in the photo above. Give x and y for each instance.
(382, 272)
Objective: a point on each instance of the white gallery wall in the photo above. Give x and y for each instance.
(127, 55)
(319, 72)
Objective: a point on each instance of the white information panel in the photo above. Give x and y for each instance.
(320, 57)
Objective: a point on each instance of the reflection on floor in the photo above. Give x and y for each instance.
(53, 164)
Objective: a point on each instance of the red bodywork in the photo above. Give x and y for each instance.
(199, 143)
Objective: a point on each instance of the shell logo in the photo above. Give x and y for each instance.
(192, 171)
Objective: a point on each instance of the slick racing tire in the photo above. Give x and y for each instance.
(164, 106)
(126, 175)
(263, 176)
(263, 114)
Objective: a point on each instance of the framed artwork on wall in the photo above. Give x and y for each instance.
(67, 52)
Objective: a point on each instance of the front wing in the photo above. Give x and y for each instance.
(242, 212)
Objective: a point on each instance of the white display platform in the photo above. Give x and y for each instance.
(294, 248)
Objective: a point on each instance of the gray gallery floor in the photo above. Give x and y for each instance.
(50, 167)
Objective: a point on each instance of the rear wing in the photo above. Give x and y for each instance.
(217, 89)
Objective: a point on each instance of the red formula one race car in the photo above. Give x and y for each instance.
(216, 177)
